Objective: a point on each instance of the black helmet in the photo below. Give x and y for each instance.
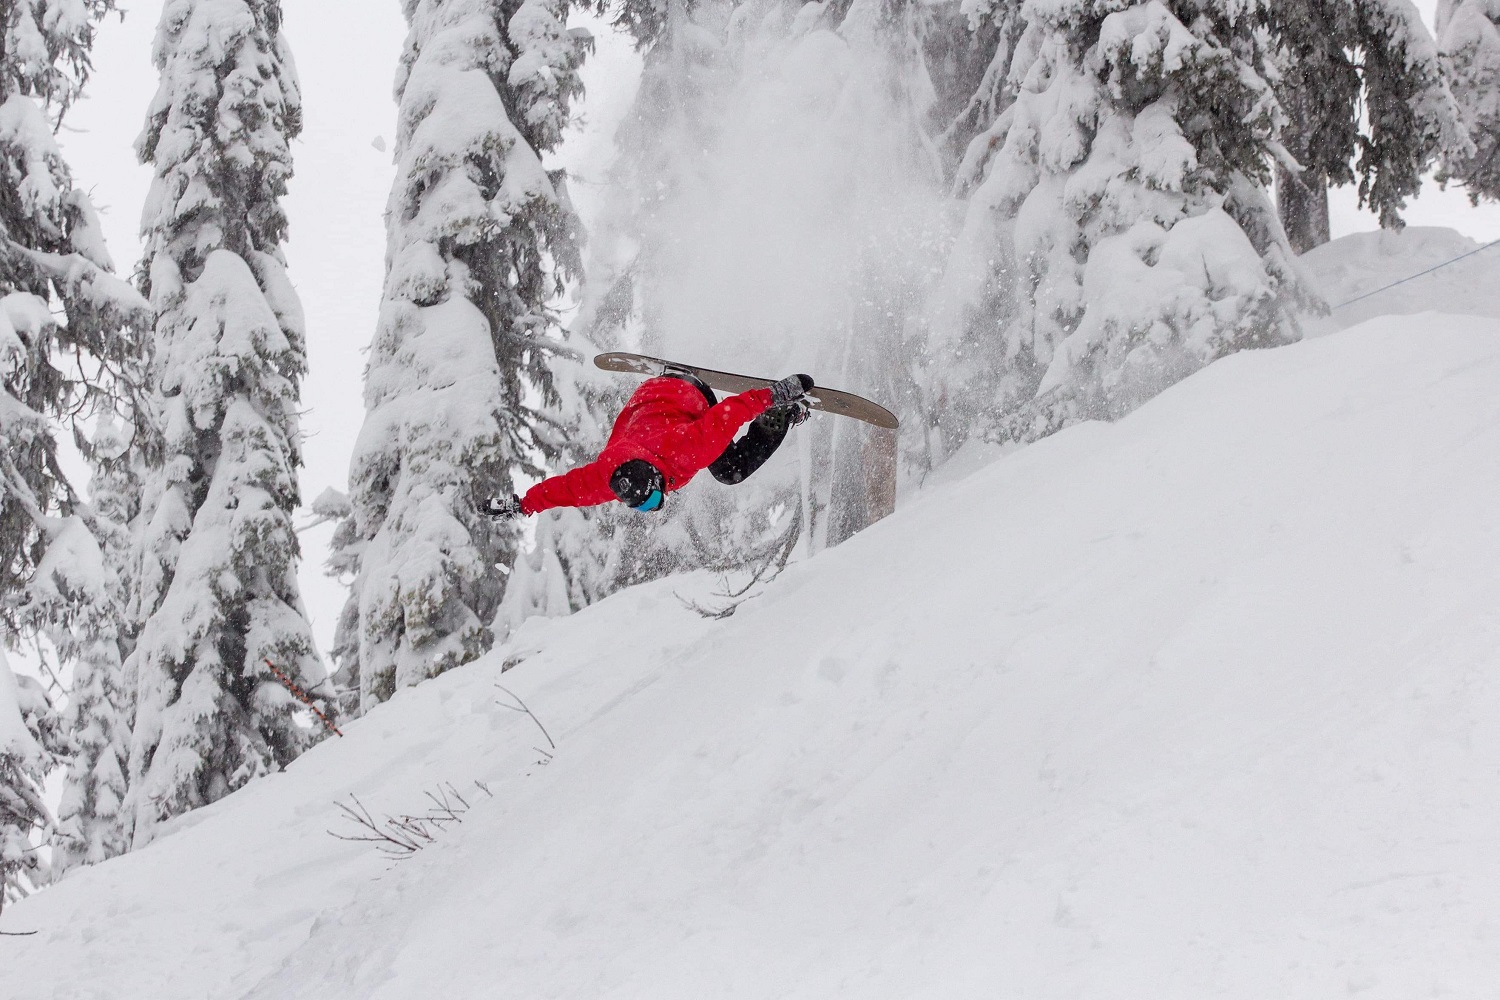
(696, 383)
(638, 484)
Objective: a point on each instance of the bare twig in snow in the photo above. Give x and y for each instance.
(718, 614)
(528, 711)
(388, 838)
(403, 836)
(766, 568)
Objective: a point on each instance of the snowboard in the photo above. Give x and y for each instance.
(845, 404)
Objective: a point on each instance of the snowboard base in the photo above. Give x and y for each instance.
(845, 404)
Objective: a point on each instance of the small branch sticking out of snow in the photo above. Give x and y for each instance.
(765, 570)
(520, 706)
(403, 836)
(718, 614)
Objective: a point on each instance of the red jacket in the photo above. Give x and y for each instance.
(667, 423)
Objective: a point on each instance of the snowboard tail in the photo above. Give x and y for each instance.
(845, 404)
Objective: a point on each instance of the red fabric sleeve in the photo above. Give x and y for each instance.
(705, 439)
(584, 486)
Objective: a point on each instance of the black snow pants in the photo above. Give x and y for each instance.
(760, 441)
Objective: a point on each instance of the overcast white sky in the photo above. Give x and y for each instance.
(346, 52)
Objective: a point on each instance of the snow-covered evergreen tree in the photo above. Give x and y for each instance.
(31, 743)
(218, 579)
(71, 339)
(97, 635)
(51, 255)
(1366, 101)
(1468, 33)
(460, 390)
(1121, 236)
(344, 551)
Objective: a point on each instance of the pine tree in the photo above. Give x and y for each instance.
(218, 579)
(345, 551)
(460, 390)
(51, 252)
(1121, 236)
(1469, 36)
(71, 337)
(1366, 100)
(93, 824)
(31, 743)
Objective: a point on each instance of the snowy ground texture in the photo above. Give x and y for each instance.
(1196, 705)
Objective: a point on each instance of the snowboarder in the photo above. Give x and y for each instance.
(671, 429)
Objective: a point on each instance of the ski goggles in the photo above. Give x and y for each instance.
(650, 503)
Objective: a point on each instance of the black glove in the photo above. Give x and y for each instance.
(790, 389)
(503, 508)
(780, 419)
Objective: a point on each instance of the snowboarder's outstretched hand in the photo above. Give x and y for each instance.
(785, 417)
(503, 508)
(790, 389)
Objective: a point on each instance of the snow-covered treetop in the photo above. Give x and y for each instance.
(57, 242)
(225, 72)
(452, 113)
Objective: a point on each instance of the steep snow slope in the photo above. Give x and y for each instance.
(1196, 705)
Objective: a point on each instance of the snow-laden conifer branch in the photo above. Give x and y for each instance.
(1368, 103)
(1468, 35)
(32, 742)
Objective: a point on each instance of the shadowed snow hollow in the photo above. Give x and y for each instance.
(1196, 705)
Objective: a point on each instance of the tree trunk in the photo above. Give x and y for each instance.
(1302, 201)
(880, 473)
(865, 481)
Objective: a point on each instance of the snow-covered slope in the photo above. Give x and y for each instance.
(1199, 704)
(1350, 268)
